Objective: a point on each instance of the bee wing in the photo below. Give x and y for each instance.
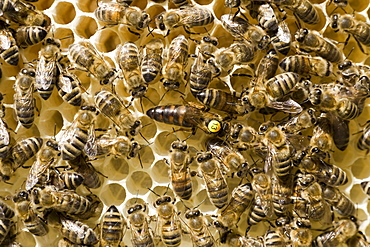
(65, 83)
(288, 106)
(68, 134)
(283, 33)
(338, 128)
(5, 42)
(37, 169)
(45, 73)
(91, 147)
(4, 134)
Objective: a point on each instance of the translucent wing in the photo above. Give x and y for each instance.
(37, 169)
(288, 106)
(45, 73)
(4, 134)
(5, 42)
(65, 83)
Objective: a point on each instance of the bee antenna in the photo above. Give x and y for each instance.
(149, 100)
(153, 192)
(200, 203)
(141, 163)
(150, 31)
(163, 96)
(185, 205)
(144, 138)
(168, 186)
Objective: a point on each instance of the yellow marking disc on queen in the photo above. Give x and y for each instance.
(214, 126)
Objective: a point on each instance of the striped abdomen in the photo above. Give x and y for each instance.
(25, 110)
(112, 227)
(170, 114)
(219, 100)
(75, 145)
(171, 233)
(69, 90)
(364, 141)
(70, 203)
(181, 184)
(9, 50)
(78, 233)
(30, 35)
(200, 76)
(217, 190)
(305, 11)
(26, 149)
(151, 66)
(35, 225)
(280, 85)
(110, 12)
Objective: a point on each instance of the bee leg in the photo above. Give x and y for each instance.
(361, 48)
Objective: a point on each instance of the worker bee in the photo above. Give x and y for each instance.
(281, 195)
(4, 139)
(86, 57)
(354, 74)
(197, 225)
(275, 237)
(187, 17)
(231, 159)
(62, 201)
(114, 13)
(281, 41)
(74, 139)
(309, 199)
(307, 65)
(262, 185)
(34, 224)
(9, 50)
(200, 75)
(177, 59)
(267, 18)
(138, 222)
(117, 146)
(151, 64)
(23, 97)
(241, 199)
(358, 240)
(188, 116)
(87, 171)
(77, 232)
(47, 70)
(242, 29)
(304, 120)
(243, 137)
(343, 230)
(26, 149)
(30, 35)
(343, 205)
(207, 46)
(45, 158)
(298, 230)
(168, 223)
(112, 107)
(65, 180)
(179, 161)
(112, 227)
(313, 41)
(215, 182)
(23, 13)
(358, 29)
(128, 60)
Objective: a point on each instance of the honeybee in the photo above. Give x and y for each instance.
(275, 237)
(68, 180)
(9, 50)
(179, 161)
(299, 230)
(30, 35)
(151, 64)
(309, 199)
(128, 60)
(343, 230)
(23, 97)
(207, 46)
(262, 185)
(354, 74)
(188, 116)
(47, 70)
(200, 75)
(281, 195)
(197, 225)
(215, 182)
(347, 23)
(307, 65)
(303, 9)
(225, 58)
(23, 13)
(267, 18)
(62, 201)
(34, 224)
(242, 29)
(313, 41)
(120, 13)
(231, 159)
(363, 141)
(86, 57)
(168, 223)
(243, 137)
(25, 149)
(177, 59)
(112, 107)
(88, 172)
(304, 120)
(7, 169)
(138, 222)
(267, 66)
(281, 41)
(187, 17)
(78, 134)
(343, 205)
(118, 146)
(241, 199)
(112, 227)
(77, 232)
(45, 158)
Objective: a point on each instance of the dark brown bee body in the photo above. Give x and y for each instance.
(88, 172)
(30, 35)
(343, 205)
(112, 227)
(363, 142)
(200, 75)
(151, 63)
(26, 149)
(282, 40)
(23, 13)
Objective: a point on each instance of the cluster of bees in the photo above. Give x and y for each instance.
(287, 176)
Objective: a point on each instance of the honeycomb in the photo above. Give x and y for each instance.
(127, 181)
